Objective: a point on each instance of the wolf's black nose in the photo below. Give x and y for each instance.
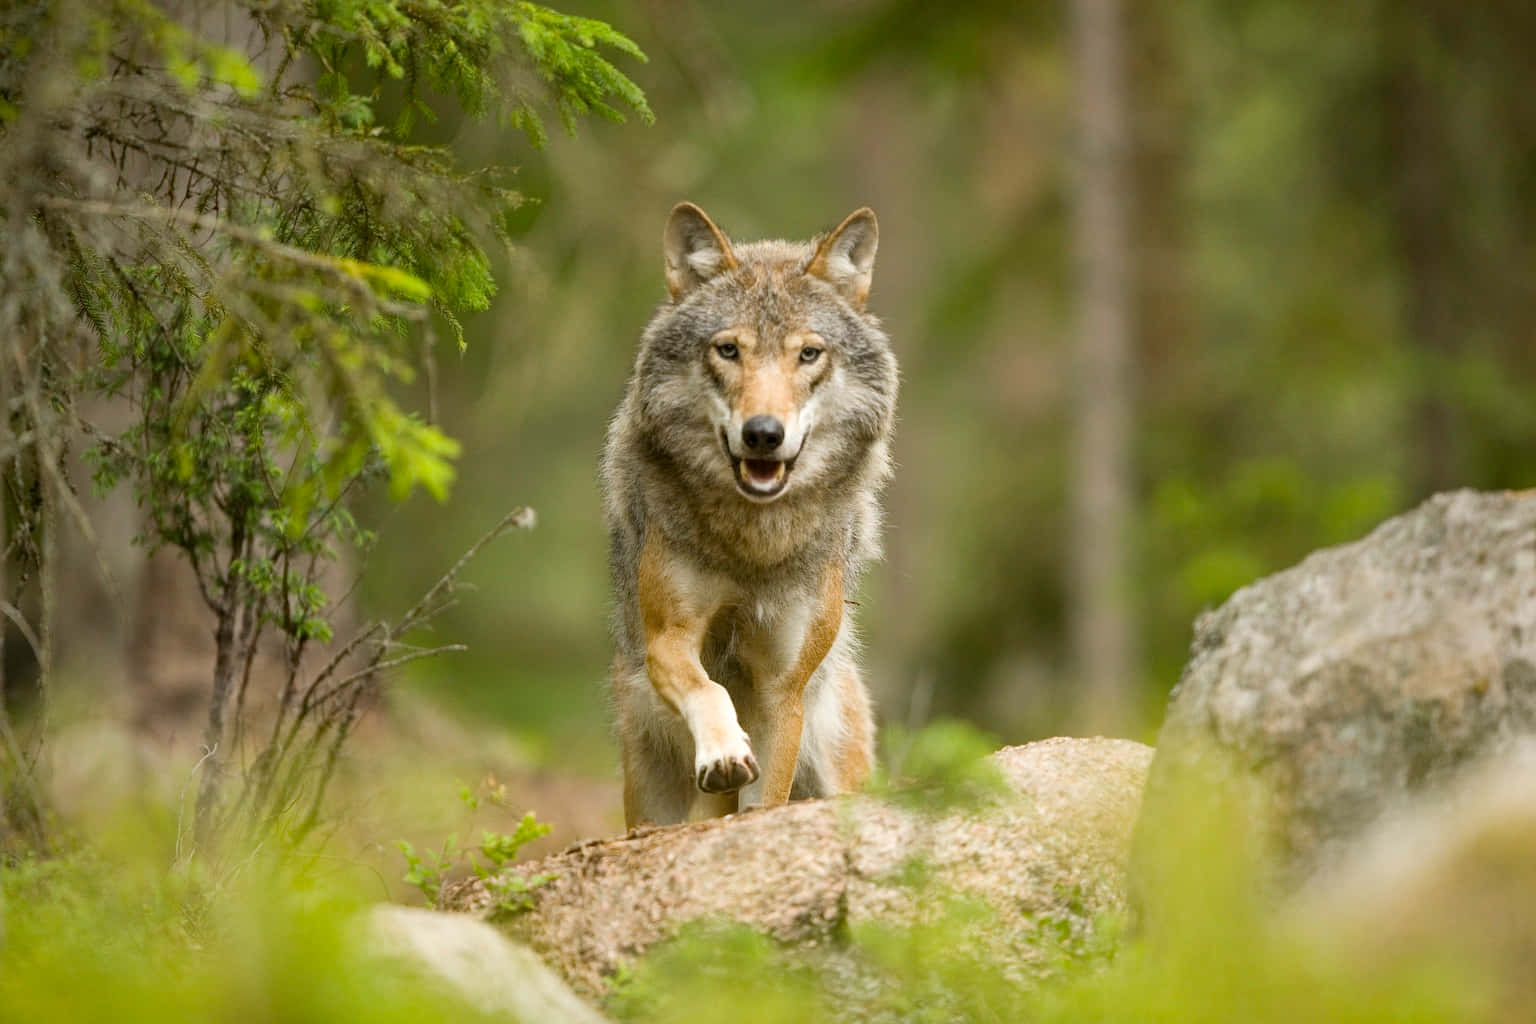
(762, 433)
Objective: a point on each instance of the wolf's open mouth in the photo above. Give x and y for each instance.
(760, 479)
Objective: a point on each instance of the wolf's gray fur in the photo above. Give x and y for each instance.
(667, 474)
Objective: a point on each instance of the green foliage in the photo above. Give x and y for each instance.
(90, 938)
(563, 49)
(328, 258)
(425, 870)
(460, 49)
(514, 890)
(498, 849)
(286, 273)
(491, 860)
(943, 766)
(711, 965)
(1215, 945)
(943, 969)
(1206, 538)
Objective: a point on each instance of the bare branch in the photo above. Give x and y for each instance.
(13, 613)
(521, 518)
(382, 666)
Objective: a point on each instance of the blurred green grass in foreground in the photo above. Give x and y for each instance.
(89, 937)
(114, 931)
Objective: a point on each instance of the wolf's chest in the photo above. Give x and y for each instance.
(755, 637)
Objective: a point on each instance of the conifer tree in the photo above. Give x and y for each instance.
(208, 218)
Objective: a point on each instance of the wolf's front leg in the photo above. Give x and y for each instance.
(676, 605)
(787, 661)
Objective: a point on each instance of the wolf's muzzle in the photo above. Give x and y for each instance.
(760, 478)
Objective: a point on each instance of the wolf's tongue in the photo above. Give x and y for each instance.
(763, 471)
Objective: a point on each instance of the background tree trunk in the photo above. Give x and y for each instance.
(1424, 232)
(1100, 617)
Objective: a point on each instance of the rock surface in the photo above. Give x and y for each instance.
(489, 970)
(1054, 850)
(1365, 674)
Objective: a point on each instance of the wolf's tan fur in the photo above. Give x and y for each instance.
(735, 677)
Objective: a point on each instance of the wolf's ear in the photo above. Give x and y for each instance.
(845, 259)
(695, 249)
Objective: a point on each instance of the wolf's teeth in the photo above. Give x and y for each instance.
(762, 478)
(763, 471)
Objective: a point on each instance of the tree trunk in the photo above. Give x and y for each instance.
(1101, 620)
(227, 664)
(1421, 183)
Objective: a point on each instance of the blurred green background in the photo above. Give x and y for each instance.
(1333, 315)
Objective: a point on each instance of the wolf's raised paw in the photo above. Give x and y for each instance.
(727, 774)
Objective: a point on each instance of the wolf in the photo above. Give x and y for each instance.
(741, 480)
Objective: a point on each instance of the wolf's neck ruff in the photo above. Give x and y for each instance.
(742, 472)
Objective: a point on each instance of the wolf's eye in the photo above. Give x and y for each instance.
(810, 354)
(727, 350)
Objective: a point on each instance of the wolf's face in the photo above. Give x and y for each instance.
(764, 375)
(764, 391)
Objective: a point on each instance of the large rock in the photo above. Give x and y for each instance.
(1369, 672)
(802, 873)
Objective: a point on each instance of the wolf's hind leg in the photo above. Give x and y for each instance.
(854, 755)
(658, 788)
(713, 805)
(837, 748)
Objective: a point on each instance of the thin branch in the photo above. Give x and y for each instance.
(237, 742)
(341, 684)
(31, 813)
(13, 613)
(181, 810)
(346, 651)
(77, 514)
(520, 518)
(332, 756)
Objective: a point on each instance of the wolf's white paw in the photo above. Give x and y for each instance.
(727, 768)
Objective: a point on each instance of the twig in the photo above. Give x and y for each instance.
(32, 812)
(47, 580)
(13, 613)
(381, 666)
(357, 641)
(48, 459)
(522, 518)
(344, 730)
(181, 810)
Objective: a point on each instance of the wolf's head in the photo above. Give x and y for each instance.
(764, 373)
